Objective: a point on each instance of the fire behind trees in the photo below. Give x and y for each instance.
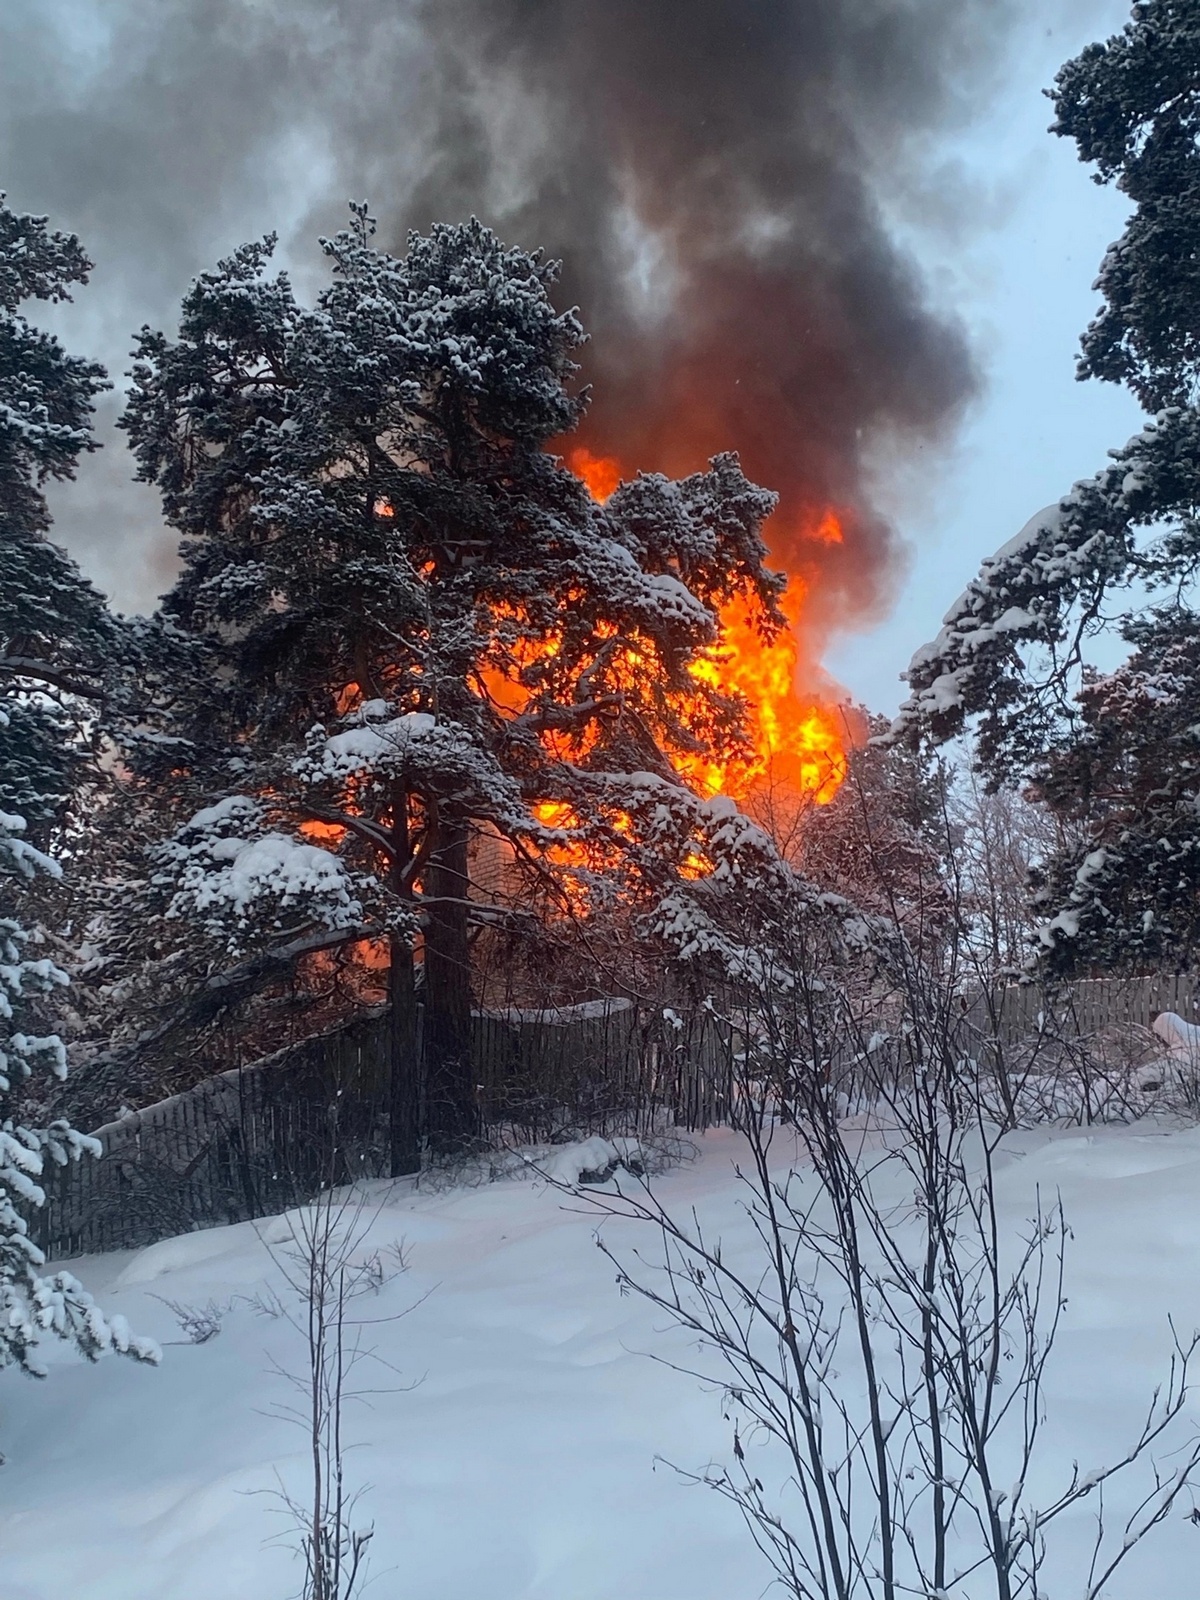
(414, 646)
(426, 721)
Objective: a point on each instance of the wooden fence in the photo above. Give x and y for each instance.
(254, 1141)
(1087, 1006)
(247, 1143)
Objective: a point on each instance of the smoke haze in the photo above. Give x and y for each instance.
(717, 176)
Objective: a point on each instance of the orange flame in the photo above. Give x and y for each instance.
(798, 741)
(602, 474)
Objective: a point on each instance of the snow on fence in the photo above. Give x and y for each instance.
(256, 1140)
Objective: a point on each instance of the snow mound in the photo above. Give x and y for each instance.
(1181, 1038)
(594, 1160)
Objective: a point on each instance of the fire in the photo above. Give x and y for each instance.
(602, 474)
(798, 742)
(828, 530)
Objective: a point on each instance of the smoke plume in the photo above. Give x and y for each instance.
(719, 177)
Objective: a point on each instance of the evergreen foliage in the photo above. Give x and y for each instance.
(1110, 754)
(32, 1304)
(1132, 895)
(53, 633)
(422, 633)
(1132, 105)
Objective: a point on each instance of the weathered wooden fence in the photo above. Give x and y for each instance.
(1086, 1006)
(247, 1143)
(254, 1141)
(605, 1065)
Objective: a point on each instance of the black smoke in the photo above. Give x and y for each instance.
(715, 175)
(720, 177)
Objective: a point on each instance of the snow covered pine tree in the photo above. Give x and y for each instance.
(1117, 757)
(422, 627)
(53, 626)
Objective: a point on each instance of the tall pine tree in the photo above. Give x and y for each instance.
(423, 630)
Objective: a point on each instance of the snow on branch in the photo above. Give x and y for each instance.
(227, 869)
(1058, 567)
(428, 754)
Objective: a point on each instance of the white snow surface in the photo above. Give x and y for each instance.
(1181, 1038)
(521, 1463)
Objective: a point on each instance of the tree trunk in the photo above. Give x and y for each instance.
(404, 1099)
(452, 1115)
(405, 1075)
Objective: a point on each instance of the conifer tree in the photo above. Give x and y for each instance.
(55, 631)
(54, 636)
(1112, 755)
(422, 628)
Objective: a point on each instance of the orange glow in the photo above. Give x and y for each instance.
(829, 529)
(798, 743)
(329, 834)
(602, 474)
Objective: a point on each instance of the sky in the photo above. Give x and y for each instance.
(167, 131)
(1024, 287)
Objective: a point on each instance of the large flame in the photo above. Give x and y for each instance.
(798, 742)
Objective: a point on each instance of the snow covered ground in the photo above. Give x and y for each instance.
(521, 1466)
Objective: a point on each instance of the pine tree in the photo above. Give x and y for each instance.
(1130, 773)
(423, 629)
(1111, 755)
(54, 631)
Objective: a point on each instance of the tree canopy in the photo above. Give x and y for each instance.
(420, 631)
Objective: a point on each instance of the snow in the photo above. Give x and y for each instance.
(234, 807)
(421, 748)
(363, 748)
(521, 1461)
(1048, 520)
(273, 864)
(565, 1016)
(1182, 1038)
(233, 874)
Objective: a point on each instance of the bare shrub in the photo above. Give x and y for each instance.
(328, 1270)
(882, 1346)
(881, 1342)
